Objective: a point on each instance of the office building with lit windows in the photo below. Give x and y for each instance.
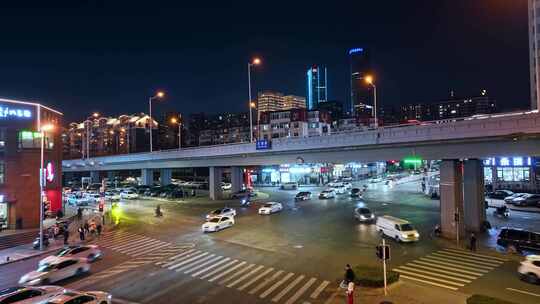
(316, 86)
(362, 98)
(20, 162)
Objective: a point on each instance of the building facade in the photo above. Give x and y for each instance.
(294, 123)
(362, 99)
(316, 86)
(517, 173)
(269, 101)
(293, 102)
(534, 54)
(21, 138)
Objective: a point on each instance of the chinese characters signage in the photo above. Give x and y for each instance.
(14, 112)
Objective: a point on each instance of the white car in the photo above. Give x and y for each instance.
(328, 193)
(89, 252)
(129, 194)
(217, 223)
(347, 185)
(270, 207)
(112, 196)
(80, 297)
(334, 184)
(29, 294)
(226, 186)
(340, 189)
(230, 212)
(61, 268)
(529, 270)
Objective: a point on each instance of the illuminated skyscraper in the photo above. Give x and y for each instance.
(361, 93)
(534, 54)
(316, 86)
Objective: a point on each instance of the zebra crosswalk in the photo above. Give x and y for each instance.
(449, 268)
(262, 281)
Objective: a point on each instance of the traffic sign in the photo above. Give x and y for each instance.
(383, 254)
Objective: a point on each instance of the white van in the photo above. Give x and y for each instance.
(398, 229)
(289, 186)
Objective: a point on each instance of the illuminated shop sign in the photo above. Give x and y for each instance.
(509, 161)
(1, 198)
(49, 172)
(14, 112)
(263, 144)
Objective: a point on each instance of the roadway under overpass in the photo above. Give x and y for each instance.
(460, 144)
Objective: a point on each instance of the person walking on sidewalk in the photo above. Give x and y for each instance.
(66, 236)
(350, 293)
(81, 233)
(473, 242)
(99, 228)
(349, 274)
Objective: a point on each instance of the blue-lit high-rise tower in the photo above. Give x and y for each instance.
(316, 86)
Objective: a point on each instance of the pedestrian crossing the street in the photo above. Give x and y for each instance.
(449, 268)
(262, 281)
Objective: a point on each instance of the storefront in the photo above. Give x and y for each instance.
(20, 160)
(519, 173)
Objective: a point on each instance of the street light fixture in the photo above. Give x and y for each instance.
(42, 130)
(369, 80)
(159, 95)
(178, 121)
(251, 104)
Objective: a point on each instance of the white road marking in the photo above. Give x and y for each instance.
(276, 285)
(239, 272)
(475, 254)
(319, 289)
(301, 291)
(454, 269)
(473, 258)
(132, 244)
(427, 282)
(266, 282)
(232, 284)
(147, 249)
(436, 269)
(288, 288)
(524, 292)
(452, 264)
(195, 263)
(255, 279)
(202, 265)
(210, 267)
(409, 273)
(176, 256)
(191, 259)
(434, 274)
(487, 265)
(226, 272)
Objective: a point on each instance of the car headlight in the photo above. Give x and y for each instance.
(362, 217)
(416, 234)
(35, 282)
(372, 216)
(403, 235)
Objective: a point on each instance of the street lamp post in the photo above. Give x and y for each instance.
(256, 61)
(174, 120)
(158, 95)
(42, 130)
(369, 80)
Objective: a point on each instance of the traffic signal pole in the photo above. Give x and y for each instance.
(384, 264)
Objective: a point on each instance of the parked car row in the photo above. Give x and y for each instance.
(51, 295)
(521, 199)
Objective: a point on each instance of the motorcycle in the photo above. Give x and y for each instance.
(35, 244)
(501, 211)
(245, 202)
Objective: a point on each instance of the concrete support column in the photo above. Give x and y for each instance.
(214, 183)
(451, 188)
(147, 177)
(165, 176)
(237, 179)
(94, 177)
(473, 195)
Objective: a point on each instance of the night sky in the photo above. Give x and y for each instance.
(80, 57)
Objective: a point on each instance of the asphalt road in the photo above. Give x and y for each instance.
(294, 256)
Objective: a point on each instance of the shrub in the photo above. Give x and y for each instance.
(373, 276)
(481, 299)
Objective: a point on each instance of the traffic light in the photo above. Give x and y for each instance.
(379, 252)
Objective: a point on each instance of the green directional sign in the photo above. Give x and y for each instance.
(412, 160)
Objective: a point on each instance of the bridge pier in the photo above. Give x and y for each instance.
(451, 189)
(237, 179)
(94, 176)
(473, 195)
(214, 183)
(147, 177)
(165, 177)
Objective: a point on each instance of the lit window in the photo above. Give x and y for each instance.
(517, 161)
(505, 161)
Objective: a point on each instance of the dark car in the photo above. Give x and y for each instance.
(527, 200)
(364, 215)
(520, 239)
(500, 194)
(176, 194)
(303, 196)
(243, 193)
(356, 192)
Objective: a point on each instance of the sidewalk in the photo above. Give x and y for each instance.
(26, 251)
(401, 293)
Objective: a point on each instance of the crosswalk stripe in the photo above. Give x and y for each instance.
(147, 250)
(317, 292)
(475, 254)
(276, 285)
(434, 274)
(427, 277)
(236, 274)
(136, 245)
(301, 291)
(132, 243)
(195, 263)
(436, 269)
(181, 258)
(176, 256)
(472, 258)
(232, 284)
(255, 279)
(266, 282)
(427, 282)
(188, 271)
(122, 239)
(210, 267)
(288, 288)
(211, 273)
(459, 262)
(174, 266)
(437, 265)
(226, 272)
(453, 264)
(488, 265)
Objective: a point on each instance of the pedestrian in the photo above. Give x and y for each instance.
(66, 236)
(86, 227)
(349, 274)
(350, 293)
(473, 242)
(79, 213)
(99, 228)
(81, 233)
